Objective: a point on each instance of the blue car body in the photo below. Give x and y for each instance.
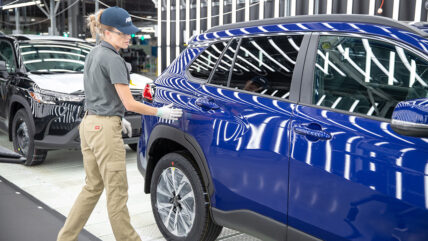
(296, 168)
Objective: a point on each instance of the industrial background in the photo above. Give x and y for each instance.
(178, 20)
(166, 25)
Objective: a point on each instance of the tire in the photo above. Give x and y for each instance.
(23, 139)
(181, 207)
(134, 146)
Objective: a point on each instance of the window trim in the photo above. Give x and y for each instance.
(15, 57)
(221, 57)
(296, 79)
(229, 77)
(190, 77)
(309, 69)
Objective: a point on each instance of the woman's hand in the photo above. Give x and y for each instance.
(169, 113)
(126, 127)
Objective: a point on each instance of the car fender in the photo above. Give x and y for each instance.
(188, 142)
(22, 101)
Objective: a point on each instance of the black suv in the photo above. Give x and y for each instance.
(41, 94)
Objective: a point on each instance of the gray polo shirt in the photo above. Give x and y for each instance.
(104, 67)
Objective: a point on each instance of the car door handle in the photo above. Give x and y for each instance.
(206, 103)
(312, 130)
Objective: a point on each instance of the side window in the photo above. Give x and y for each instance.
(7, 55)
(221, 73)
(265, 64)
(367, 76)
(203, 65)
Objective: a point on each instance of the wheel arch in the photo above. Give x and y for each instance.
(17, 103)
(165, 139)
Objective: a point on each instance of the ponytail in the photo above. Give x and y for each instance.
(95, 25)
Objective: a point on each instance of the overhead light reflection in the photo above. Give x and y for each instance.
(255, 58)
(280, 133)
(389, 73)
(409, 67)
(281, 52)
(348, 146)
(291, 41)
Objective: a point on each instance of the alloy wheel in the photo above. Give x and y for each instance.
(175, 201)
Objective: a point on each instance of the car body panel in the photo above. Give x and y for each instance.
(365, 183)
(320, 171)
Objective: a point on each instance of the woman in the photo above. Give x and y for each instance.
(106, 80)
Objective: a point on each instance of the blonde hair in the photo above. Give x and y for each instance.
(95, 25)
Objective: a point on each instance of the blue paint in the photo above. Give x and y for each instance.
(327, 173)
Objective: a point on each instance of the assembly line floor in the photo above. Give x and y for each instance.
(26, 218)
(58, 181)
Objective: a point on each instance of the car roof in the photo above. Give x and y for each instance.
(342, 18)
(22, 37)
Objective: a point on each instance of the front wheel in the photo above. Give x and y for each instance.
(178, 201)
(23, 139)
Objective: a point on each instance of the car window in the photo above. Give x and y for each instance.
(367, 76)
(265, 64)
(203, 65)
(221, 73)
(48, 56)
(7, 55)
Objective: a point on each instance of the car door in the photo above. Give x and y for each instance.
(351, 176)
(248, 109)
(7, 54)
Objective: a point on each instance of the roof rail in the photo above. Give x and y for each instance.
(350, 18)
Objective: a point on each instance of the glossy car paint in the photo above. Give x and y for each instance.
(364, 183)
(350, 177)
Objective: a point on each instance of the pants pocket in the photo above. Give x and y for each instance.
(117, 185)
(116, 172)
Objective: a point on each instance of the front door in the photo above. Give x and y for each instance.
(7, 54)
(351, 176)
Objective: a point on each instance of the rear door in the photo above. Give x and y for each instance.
(351, 176)
(248, 109)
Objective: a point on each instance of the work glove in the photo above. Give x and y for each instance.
(169, 113)
(126, 127)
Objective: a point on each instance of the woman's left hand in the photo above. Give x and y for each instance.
(126, 127)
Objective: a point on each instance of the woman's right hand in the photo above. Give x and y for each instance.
(169, 113)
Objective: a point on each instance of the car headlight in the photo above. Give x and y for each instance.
(52, 97)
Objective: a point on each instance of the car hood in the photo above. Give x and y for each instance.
(73, 82)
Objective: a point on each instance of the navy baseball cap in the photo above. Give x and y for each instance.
(119, 18)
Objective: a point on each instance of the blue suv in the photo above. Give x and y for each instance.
(298, 128)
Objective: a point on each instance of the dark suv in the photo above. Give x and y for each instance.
(41, 94)
(299, 128)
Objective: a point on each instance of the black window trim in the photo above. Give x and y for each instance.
(296, 79)
(229, 77)
(13, 46)
(309, 69)
(221, 57)
(190, 77)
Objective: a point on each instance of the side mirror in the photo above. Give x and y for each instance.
(410, 118)
(3, 69)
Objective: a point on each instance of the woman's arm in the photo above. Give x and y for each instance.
(130, 103)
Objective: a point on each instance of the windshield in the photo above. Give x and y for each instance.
(50, 56)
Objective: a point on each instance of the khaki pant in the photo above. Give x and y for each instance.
(104, 162)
